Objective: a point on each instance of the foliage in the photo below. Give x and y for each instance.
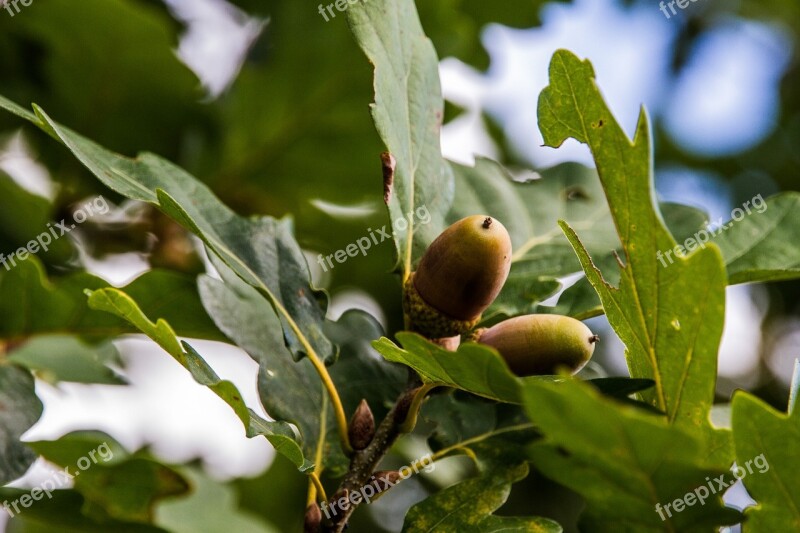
(625, 445)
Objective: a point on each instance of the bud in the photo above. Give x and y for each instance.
(404, 405)
(313, 519)
(387, 478)
(361, 429)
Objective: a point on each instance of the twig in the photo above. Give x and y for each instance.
(364, 462)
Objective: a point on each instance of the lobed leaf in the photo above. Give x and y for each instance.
(474, 368)
(766, 453)
(624, 461)
(469, 505)
(670, 318)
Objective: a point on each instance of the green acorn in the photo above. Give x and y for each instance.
(540, 344)
(458, 277)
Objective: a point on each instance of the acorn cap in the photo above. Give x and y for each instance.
(540, 344)
(458, 277)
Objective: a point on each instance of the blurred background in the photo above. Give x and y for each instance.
(267, 103)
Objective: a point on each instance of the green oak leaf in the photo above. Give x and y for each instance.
(408, 113)
(290, 390)
(32, 304)
(361, 372)
(261, 251)
(622, 460)
(25, 216)
(473, 368)
(469, 505)
(457, 418)
(753, 249)
(57, 358)
(766, 442)
(670, 318)
(115, 484)
(64, 512)
(120, 304)
(210, 508)
(758, 247)
(20, 408)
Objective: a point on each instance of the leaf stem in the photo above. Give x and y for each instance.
(464, 445)
(318, 489)
(322, 370)
(315, 486)
(420, 395)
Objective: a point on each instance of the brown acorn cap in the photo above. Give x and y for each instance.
(540, 344)
(464, 268)
(428, 320)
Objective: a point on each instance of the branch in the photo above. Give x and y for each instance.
(364, 462)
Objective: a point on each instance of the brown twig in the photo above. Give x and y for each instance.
(364, 462)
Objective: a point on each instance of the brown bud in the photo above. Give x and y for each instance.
(387, 478)
(362, 426)
(383, 480)
(403, 406)
(458, 277)
(313, 519)
(341, 501)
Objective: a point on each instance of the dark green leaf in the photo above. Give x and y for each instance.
(361, 372)
(762, 246)
(115, 484)
(458, 418)
(408, 112)
(468, 505)
(31, 304)
(64, 358)
(290, 391)
(20, 408)
(262, 251)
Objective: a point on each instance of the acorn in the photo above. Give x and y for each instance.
(540, 344)
(458, 277)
